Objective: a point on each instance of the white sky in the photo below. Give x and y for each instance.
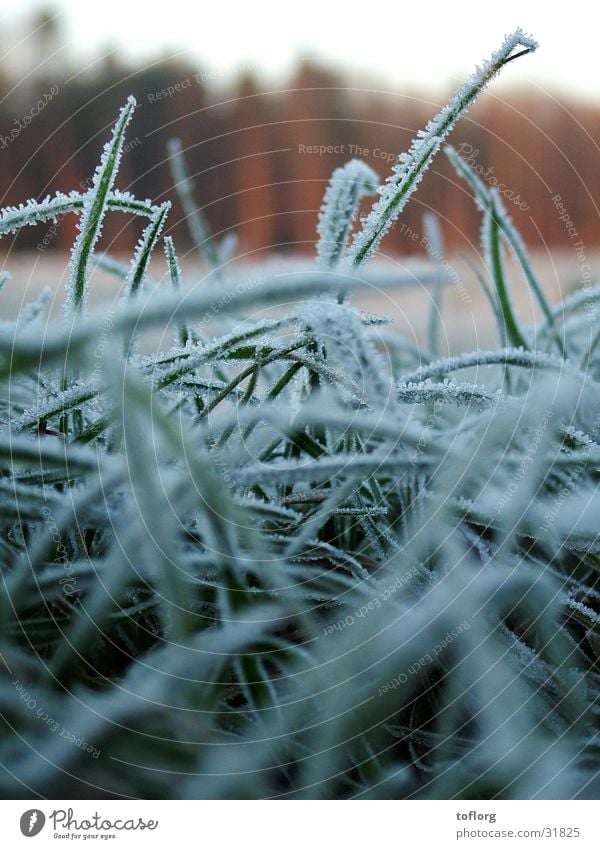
(435, 43)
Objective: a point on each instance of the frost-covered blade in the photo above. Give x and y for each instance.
(144, 249)
(94, 210)
(198, 226)
(411, 166)
(347, 187)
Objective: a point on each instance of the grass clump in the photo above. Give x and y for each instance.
(289, 555)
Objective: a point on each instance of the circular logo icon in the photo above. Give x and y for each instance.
(32, 822)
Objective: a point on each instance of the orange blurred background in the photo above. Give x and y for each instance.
(261, 154)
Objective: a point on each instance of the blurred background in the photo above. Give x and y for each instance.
(268, 100)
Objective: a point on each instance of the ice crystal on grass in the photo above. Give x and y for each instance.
(35, 309)
(197, 224)
(448, 392)
(517, 357)
(144, 250)
(339, 329)
(94, 210)
(55, 404)
(491, 204)
(33, 212)
(347, 186)
(409, 170)
(297, 526)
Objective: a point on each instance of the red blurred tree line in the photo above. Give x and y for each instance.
(261, 155)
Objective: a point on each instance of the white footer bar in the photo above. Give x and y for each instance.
(300, 824)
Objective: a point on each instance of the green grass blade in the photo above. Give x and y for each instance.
(411, 166)
(94, 210)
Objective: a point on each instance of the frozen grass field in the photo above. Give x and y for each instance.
(259, 542)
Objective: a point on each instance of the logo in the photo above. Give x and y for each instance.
(32, 822)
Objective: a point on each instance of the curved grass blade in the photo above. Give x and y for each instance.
(94, 210)
(145, 247)
(409, 170)
(197, 225)
(486, 200)
(347, 187)
(490, 237)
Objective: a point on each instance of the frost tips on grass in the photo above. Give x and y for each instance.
(55, 404)
(517, 357)
(34, 212)
(449, 392)
(275, 536)
(94, 210)
(490, 203)
(172, 262)
(347, 187)
(411, 166)
(35, 309)
(339, 329)
(197, 224)
(145, 248)
(494, 254)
